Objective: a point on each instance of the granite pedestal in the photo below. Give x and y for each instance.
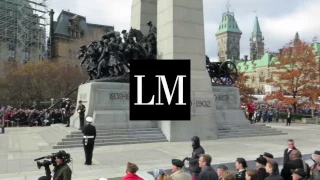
(108, 104)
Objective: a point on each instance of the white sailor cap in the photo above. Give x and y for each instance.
(89, 119)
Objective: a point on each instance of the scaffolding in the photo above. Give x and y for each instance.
(23, 26)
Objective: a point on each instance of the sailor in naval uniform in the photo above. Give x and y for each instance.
(89, 135)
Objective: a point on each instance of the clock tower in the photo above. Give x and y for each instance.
(228, 37)
(256, 42)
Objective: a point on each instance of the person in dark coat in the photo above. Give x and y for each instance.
(241, 165)
(89, 136)
(194, 160)
(67, 112)
(62, 171)
(261, 163)
(289, 117)
(81, 110)
(207, 172)
(294, 163)
(271, 168)
(288, 151)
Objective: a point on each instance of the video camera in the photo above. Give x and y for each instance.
(65, 157)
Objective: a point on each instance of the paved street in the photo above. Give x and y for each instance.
(19, 146)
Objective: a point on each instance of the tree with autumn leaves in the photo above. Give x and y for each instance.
(37, 81)
(295, 71)
(246, 92)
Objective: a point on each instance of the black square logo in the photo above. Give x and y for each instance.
(160, 90)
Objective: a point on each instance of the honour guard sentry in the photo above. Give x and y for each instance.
(89, 135)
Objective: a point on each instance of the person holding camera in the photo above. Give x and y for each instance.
(89, 135)
(61, 170)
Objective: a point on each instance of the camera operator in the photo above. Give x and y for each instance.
(61, 171)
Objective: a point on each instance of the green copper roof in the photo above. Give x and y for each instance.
(228, 24)
(316, 47)
(250, 66)
(256, 27)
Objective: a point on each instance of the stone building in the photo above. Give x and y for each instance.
(256, 42)
(228, 37)
(69, 32)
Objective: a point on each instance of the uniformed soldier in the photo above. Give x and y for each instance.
(241, 165)
(81, 110)
(89, 135)
(68, 112)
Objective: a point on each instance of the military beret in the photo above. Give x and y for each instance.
(268, 155)
(177, 162)
(222, 166)
(299, 171)
(317, 152)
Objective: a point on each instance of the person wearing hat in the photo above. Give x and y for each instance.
(267, 155)
(61, 171)
(261, 163)
(241, 165)
(81, 110)
(298, 174)
(177, 172)
(220, 169)
(89, 136)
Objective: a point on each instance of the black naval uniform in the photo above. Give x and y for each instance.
(68, 113)
(89, 135)
(81, 110)
(241, 175)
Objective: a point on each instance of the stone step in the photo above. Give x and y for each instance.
(108, 143)
(248, 135)
(119, 133)
(115, 140)
(120, 130)
(114, 136)
(247, 130)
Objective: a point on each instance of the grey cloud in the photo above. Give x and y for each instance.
(118, 12)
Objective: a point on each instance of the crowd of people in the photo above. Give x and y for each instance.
(267, 168)
(256, 112)
(13, 117)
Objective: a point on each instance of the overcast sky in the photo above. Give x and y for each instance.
(279, 19)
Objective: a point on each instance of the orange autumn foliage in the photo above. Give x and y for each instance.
(296, 71)
(246, 93)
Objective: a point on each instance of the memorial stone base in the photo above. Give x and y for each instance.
(108, 104)
(228, 109)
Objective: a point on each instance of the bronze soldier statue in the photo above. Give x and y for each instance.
(152, 40)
